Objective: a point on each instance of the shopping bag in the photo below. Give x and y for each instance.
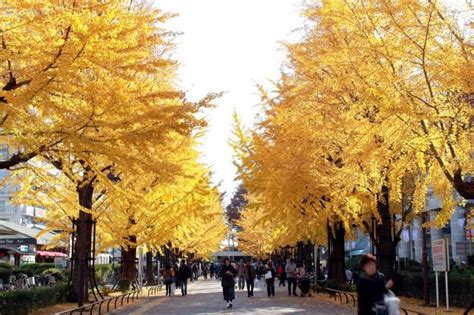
(173, 288)
(392, 303)
(268, 275)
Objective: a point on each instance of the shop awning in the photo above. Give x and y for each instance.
(50, 254)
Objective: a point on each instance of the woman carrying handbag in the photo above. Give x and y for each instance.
(270, 279)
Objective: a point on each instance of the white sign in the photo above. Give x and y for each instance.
(60, 262)
(439, 254)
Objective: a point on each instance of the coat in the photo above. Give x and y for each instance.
(184, 273)
(228, 280)
(370, 290)
(273, 272)
(249, 275)
(167, 276)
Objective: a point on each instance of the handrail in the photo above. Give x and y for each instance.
(90, 307)
(469, 309)
(335, 292)
(154, 289)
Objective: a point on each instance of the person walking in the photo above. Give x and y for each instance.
(168, 279)
(281, 274)
(240, 274)
(204, 271)
(184, 273)
(290, 271)
(212, 270)
(249, 275)
(302, 280)
(260, 269)
(195, 272)
(371, 286)
(270, 273)
(228, 273)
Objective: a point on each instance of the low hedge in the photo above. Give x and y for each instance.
(461, 286)
(21, 302)
(5, 272)
(36, 268)
(103, 272)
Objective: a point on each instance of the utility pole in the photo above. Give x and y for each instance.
(426, 284)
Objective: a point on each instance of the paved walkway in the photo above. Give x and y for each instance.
(205, 297)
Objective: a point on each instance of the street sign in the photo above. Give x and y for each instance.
(440, 255)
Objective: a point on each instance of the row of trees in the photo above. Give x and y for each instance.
(373, 109)
(98, 131)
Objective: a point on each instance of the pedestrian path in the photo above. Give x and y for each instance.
(205, 297)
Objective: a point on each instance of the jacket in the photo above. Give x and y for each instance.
(228, 280)
(184, 273)
(249, 275)
(167, 276)
(241, 270)
(370, 290)
(290, 270)
(273, 272)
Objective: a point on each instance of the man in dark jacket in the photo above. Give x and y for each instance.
(228, 273)
(249, 275)
(371, 286)
(184, 273)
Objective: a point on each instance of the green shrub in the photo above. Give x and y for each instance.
(123, 285)
(22, 302)
(5, 274)
(342, 287)
(5, 265)
(470, 260)
(36, 268)
(352, 263)
(102, 272)
(461, 286)
(57, 273)
(414, 266)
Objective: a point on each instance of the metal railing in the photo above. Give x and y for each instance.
(469, 309)
(352, 297)
(108, 302)
(155, 289)
(338, 293)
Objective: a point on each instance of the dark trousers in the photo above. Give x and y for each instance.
(282, 280)
(168, 288)
(229, 293)
(250, 286)
(291, 282)
(184, 287)
(270, 287)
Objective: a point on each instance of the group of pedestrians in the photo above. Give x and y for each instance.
(371, 284)
(177, 275)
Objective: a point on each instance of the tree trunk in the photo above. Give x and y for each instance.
(464, 188)
(82, 248)
(150, 278)
(386, 243)
(336, 265)
(129, 254)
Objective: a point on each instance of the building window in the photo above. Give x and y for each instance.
(3, 206)
(3, 152)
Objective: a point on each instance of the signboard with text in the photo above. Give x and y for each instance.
(439, 254)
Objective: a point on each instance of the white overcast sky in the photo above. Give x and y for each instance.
(230, 46)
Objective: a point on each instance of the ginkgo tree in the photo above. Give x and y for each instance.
(374, 109)
(88, 88)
